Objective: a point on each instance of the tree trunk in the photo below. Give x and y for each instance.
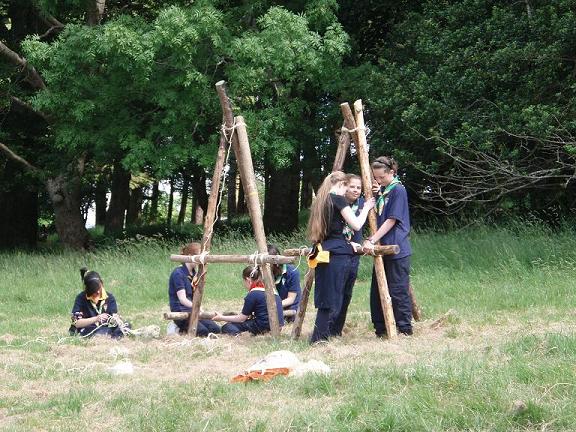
(281, 199)
(119, 198)
(199, 189)
(170, 203)
(65, 197)
(18, 210)
(135, 206)
(184, 196)
(101, 199)
(154, 202)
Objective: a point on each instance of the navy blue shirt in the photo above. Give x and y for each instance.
(180, 279)
(289, 281)
(357, 237)
(255, 305)
(396, 207)
(335, 241)
(84, 308)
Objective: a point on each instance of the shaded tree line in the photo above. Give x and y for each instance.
(103, 101)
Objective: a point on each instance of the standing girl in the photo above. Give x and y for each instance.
(393, 228)
(356, 203)
(328, 216)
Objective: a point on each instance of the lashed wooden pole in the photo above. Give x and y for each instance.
(208, 231)
(235, 259)
(248, 178)
(378, 250)
(366, 173)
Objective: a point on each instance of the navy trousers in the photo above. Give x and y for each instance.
(246, 326)
(337, 322)
(329, 289)
(204, 327)
(398, 277)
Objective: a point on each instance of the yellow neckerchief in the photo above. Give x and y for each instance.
(103, 296)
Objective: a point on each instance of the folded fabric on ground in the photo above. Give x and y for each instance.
(280, 363)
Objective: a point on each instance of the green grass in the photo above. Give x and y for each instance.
(509, 340)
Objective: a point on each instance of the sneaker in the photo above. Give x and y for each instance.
(406, 332)
(172, 329)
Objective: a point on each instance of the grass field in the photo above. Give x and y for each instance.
(495, 351)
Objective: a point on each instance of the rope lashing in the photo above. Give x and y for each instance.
(356, 129)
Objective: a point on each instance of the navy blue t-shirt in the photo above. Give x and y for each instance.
(335, 241)
(396, 207)
(180, 279)
(289, 282)
(84, 308)
(255, 305)
(357, 237)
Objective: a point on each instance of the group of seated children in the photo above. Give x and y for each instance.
(94, 307)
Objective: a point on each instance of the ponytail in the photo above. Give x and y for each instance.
(91, 280)
(321, 210)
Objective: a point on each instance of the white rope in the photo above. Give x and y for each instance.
(356, 129)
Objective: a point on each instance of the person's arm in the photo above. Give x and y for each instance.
(381, 232)
(357, 222)
(181, 293)
(85, 322)
(240, 318)
(290, 299)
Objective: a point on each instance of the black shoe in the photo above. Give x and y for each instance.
(382, 335)
(406, 332)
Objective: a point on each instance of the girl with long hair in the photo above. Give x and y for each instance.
(329, 215)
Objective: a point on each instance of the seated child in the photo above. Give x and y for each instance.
(181, 287)
(93, 308)
(287, 279)
(254, 316)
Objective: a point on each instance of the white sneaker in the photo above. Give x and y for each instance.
(172, 329)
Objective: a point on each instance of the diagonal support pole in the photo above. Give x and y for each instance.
(366, 173)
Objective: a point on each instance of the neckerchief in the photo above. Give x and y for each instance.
(381, 201)
(281, 275)
(256, 284)
(193, 279)
(347, 231)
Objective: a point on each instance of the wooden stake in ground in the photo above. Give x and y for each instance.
(366, 173)
(208, 231)
(248, 178)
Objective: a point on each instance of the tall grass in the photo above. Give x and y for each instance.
(504, 360)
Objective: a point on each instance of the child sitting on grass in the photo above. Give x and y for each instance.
(94, 309)
(254, 315)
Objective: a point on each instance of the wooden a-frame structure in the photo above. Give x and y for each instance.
(234, 135)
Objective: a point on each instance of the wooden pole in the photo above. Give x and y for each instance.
(341, 151)
(246, 169)
(378, 250)
(185, 315)
(367, 177)
(208, 230)
(235, 259)
(227, 113)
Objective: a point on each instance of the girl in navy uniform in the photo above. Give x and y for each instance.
(328, 216)
(393, 228)
(287, 278)
(181, 287)
(356, 202)
(93, 308)
(254, 315)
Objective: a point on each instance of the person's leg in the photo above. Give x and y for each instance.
(207, 326)
(182, 326)
(340, 319)
(376, 312)
(231, 329)
(321, 326)
(398, 275)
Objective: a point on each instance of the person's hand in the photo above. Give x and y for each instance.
(357, 247)
(217, 317)
(102, 318)
(370, 203)
(375, 187)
